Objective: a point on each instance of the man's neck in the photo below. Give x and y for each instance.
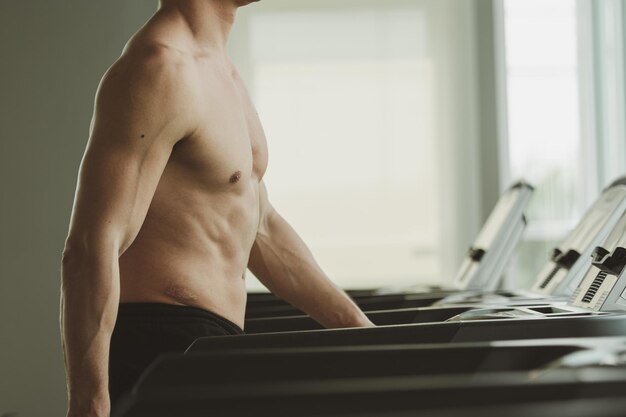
(210, 21)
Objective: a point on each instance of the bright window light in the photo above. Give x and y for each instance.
(346, 99)
(544, 139)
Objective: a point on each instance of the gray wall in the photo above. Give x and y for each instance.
(53, 55)
(487, 107)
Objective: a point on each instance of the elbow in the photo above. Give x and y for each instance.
(81, 252)
(70, 255)
(74, 264)
(88, 271)
(70, 268)
(76, 250)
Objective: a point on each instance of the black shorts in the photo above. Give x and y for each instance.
(144, 331)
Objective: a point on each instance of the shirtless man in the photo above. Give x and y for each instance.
(171, 208)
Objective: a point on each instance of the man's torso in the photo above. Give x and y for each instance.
(194, 244)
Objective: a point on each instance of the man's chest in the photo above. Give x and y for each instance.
(228, 143)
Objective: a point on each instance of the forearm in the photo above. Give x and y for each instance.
(89, 303)
(287, 267)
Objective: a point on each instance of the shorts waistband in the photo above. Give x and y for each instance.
(154, 310)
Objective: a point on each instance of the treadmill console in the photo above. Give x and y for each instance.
(569, 261)
(486, 259)
(610, 353)
(488, 313)
(604, 285)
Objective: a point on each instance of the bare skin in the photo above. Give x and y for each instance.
(170, 205)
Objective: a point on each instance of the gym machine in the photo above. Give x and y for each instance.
(557, 280)
(482, 267)
(382, 379)
(596, 309)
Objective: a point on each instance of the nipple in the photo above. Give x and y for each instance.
(235, 177)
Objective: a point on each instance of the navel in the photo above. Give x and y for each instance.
(235, 177)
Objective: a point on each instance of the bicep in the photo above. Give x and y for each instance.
(270, 223)
(266, 209)
(115, 186)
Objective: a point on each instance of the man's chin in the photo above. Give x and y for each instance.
(241, 3)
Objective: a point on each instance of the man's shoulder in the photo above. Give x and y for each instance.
(151, 63)
(151, 71)
(149, 87)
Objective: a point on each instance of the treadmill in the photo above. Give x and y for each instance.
(481, 268)
(596, 309)
(602, 289)
(433, 380)
(563, 272)
(567, 266)
(574, 379)
(337, 381)
(558, 279)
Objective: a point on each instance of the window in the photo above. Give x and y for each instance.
(346, 98)
(545, 145)
(608, 42)
(564, 71)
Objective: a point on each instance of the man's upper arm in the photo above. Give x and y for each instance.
(256, 264)
(266, 210)
(142, 109)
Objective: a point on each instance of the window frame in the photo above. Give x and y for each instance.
(608, 116)
(602, 134)
(587, 115)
